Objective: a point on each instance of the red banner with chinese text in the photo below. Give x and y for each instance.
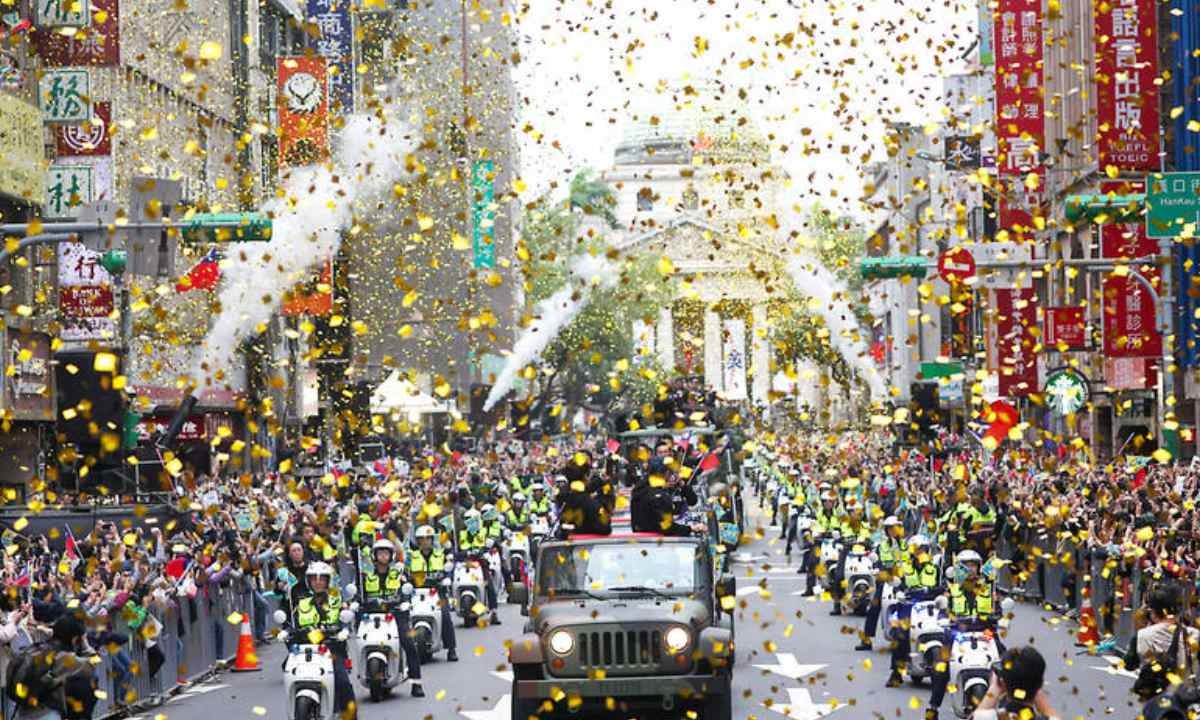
(98, 44)
(1129, 312)
(1066, 328)
(1127, 111)
(1020, 116)
(1016, 340)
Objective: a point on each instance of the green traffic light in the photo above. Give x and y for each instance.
(114, 261)
(226, 227)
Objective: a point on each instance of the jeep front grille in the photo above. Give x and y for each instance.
(619, 649)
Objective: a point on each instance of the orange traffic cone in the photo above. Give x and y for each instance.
(1087, 634)
(247, 658)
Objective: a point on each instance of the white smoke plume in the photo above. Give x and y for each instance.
(829, 295)
(552, 315)
(318, 204)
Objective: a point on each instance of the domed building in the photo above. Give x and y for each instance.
(695, 182)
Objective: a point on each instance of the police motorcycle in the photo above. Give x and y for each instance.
(926, 621)
(828, 554)
(375, 645)
(469, 588)
(805, 525)
(973, 651)
(861, 570)
(308, 670)
(425, 613)
(494, 554)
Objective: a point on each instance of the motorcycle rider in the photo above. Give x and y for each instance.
(892, 554)
(473, 543)
(854, 529)
(383, 586)
(517, 517)
(426, 567)
(826, 522)
(539, 504)
(918, 578)
(320, 610)
(972, 595)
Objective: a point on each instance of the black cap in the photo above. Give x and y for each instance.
(68, 628)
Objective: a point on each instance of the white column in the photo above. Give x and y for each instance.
(666, 339)
(760, 349)
(713, 375)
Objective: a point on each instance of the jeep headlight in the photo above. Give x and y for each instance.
(561, 642)
(677, 639)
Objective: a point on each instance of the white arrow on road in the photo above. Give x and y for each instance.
(505, 675)
(1114, 667)
(789, 668)
(800, 706)
(502, 711)
(748, 590)
(748, 558)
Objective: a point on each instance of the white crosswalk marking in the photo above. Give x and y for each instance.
(502, 711)
(800, 706)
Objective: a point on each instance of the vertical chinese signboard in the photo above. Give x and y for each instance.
(28, 376)
(96, 42)
(735, 360)
(334, 41)
(1127, 111)
(85, 298)
(483, 213)
(64, 95)
(1016, 339)
(1020, 123)
(1129, 312)
(303, 111)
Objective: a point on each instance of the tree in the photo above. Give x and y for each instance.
(590, 364)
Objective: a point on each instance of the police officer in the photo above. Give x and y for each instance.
(972, 596)
(854, 530)
(517, 517)
(918, 580)
(383, 587)
(539, 504)
(890, 549)
(321, 609)
(826, 523)
(426, 569)
(473, 543)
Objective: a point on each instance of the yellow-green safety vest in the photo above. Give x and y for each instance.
(309, 614)
(419, 564)
(376, 587)
(965, 603)
(922, 577)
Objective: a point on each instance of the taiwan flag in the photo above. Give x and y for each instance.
(203, 275)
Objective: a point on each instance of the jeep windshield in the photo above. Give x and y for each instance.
(613, 569)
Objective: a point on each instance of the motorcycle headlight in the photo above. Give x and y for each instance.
(677, 639)
(561, 642)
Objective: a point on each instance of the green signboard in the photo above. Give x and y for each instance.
(483, 214)
(1172, 204)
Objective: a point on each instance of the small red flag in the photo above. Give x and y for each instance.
(203, 275)
(613, 445)
(710, 462)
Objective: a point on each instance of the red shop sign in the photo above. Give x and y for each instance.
(86, 301)
(1020, 115)
(1016, 339)
(1127, 112)
(1065, 326)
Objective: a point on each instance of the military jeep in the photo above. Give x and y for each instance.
(622, 623)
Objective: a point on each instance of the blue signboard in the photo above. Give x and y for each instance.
(987, 28)
(335, 42)
(1185, 73)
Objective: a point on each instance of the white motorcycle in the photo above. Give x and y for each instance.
(860, 573)
(828, 555)
(927, 623)
(516, 558)
(469, 590)
(308, 674)
(973, 650)
(426, 619)
(377, 653)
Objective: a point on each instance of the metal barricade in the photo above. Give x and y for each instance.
(185, 659)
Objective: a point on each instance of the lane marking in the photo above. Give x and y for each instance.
(502, 711)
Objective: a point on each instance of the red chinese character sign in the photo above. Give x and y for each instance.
(1127, 112)
(1020, 119)
(88, 139)
(1129, 314)
(1066, 328)
(1016, 341)
(96, 43)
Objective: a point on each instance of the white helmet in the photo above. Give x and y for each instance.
(967, 556)
(891, 521)
(383, 544)
(319, 568)
(918, 540)
(425, 531)
(518, 497)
